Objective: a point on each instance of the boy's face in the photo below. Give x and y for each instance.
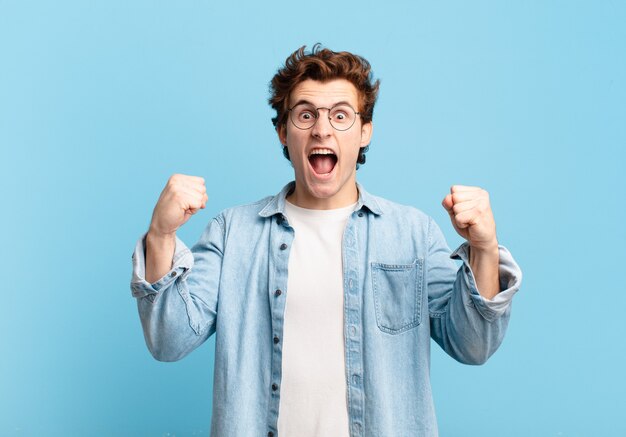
(324, 158)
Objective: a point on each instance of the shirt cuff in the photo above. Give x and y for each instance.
(182, 261)
(510, 281)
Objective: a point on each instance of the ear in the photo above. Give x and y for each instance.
(281, 130)
(366, 133)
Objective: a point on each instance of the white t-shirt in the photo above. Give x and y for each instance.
(313, 392)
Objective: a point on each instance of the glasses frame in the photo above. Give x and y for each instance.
(317, 115)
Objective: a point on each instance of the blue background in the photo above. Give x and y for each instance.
(100, 102)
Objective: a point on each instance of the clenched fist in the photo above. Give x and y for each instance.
(471, 216)
(181, 198)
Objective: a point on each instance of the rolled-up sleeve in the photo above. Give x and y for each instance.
(181, 262)
(510, 281)
(179, 310)
(469, 327)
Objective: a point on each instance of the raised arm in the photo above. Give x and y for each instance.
(469, 307)
(177, 288)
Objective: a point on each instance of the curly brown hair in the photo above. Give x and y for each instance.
(323, 65)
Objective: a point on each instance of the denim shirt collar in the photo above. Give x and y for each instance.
(276, 204)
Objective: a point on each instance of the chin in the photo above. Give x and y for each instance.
(323, 192)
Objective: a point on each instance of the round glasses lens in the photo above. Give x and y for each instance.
(303, 115)
(342, 116)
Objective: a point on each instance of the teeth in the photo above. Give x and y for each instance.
(321, 152)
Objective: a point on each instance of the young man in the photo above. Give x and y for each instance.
(324, 297)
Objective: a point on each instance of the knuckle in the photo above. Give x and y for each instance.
(179, 197)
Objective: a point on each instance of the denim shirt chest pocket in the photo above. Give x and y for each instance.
(398, 295)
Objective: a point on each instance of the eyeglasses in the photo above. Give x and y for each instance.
(341, 116)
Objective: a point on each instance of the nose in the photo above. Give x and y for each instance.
(322, 127)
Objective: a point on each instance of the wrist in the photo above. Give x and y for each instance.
(485, 250)
(160, 237)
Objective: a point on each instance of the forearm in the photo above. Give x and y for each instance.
(467, 325)
(485, 264)
(464, 320)
(159, 254)
(177, 298)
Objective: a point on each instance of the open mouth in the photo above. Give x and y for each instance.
(322, 161)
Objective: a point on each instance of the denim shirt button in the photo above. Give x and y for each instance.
(283, 246)
(278, 292)
(270, 434)
(360, 214)
(172, 274)
(356, 379)
(274, 387)
(276, 340)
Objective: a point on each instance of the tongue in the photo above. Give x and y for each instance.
(323, 164)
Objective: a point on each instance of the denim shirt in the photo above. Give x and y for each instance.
(401, 288)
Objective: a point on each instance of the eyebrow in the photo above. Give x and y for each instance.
(301, 101)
